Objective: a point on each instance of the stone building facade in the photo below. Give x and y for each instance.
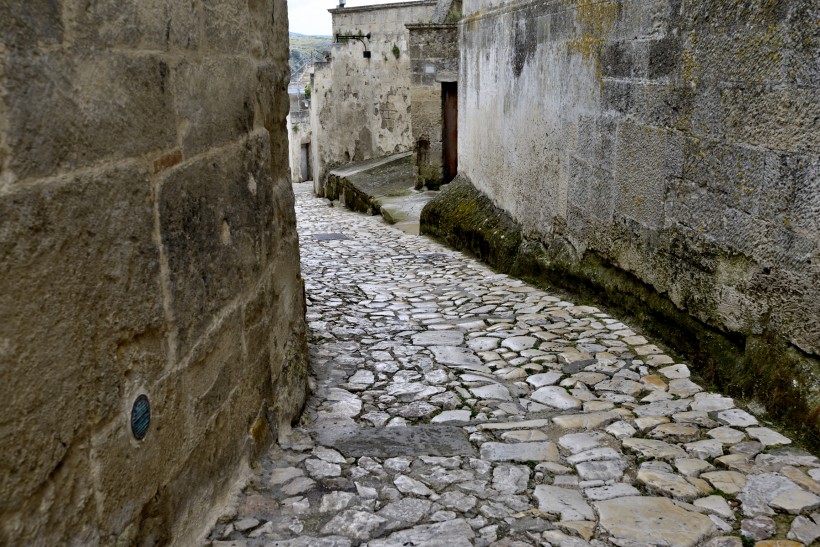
(361, 104)
(434, 82)
(661, 153)
(299, 135)
(147, 248)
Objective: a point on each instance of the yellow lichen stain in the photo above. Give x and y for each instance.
(595, 19)
(259, 431)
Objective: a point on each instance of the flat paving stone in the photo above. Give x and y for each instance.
(652, 521)
(520, 452)
(439, 338)
(421, 440)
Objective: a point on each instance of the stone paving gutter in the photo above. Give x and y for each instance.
(455, 406)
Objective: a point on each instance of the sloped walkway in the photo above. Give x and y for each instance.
(454, 406)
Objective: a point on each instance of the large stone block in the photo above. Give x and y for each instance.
(150, 25)
(80, 314)
(215, 101)
(69, 109)
(780, 119)
(215, 222)
(33, 21)
(645, 158)
(227, 25)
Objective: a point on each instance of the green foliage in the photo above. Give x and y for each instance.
(307, 92)
(396, 51)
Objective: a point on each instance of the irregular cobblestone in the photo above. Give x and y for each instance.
(455, 406)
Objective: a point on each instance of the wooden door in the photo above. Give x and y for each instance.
(449, 99)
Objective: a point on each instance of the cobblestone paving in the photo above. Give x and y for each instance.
(455, 406)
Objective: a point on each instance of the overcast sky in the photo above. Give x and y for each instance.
(311, 16)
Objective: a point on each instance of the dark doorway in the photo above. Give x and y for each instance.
(449, 100)
(305, 167)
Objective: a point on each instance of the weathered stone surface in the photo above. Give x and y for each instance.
(457, 533)
(760, 490)
(758, 528)
(619, 490)
(730, 482)
(768, 437)
(805, 529)
(654, 449)
(568, 504)
(520, 452)
(653, 521)
(353, 524)
(795, 501)
(432, 440)
(717, 505)
(439, 338)
(556, 397)
(668, 484)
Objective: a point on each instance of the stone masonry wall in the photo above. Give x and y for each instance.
(147, 246)
(362, 106)
(674, 143)
(298, 125)
(434, 55)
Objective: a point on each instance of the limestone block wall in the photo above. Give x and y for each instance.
(147, 247)
(362, 105)
(434, 56)
(299, 134)
(678, 142)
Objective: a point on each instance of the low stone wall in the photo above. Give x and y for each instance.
(147, 247)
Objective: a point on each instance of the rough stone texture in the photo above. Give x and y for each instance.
(147, 246)
(360, 107)
(300, 139)
(662, 155)
(434, 59)
(652, 521)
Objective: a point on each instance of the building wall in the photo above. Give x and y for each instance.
(147, 246)
(299, 134)
(434, 59)
(676, 142)
(362, 106)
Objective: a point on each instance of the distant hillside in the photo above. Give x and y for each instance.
(302, 48)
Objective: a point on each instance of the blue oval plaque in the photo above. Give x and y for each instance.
(140, 417)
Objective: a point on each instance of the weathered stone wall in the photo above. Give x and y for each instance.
(147, 246)
(299, 134)
(674, 144)
(362, 105)
(434, 59)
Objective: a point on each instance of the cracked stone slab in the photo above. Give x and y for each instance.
(520, 452)
(455, 533)
(421, 440)
(568, 504)
(439, 338)
(652, 521)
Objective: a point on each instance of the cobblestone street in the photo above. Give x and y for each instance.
(455, 406)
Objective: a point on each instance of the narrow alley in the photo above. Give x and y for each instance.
(455, 406)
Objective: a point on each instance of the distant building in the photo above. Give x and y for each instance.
(386, 58)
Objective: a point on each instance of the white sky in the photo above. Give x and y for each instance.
(311, 16)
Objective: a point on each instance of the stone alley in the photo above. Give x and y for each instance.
(455, 406)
